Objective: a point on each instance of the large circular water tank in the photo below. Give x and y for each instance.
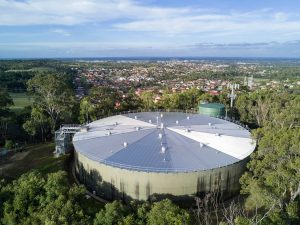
(165, 154)
(212, 109)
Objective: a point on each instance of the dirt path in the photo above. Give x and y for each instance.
(19, 156)
(11, 160)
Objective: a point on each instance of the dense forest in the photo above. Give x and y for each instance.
(270, 191)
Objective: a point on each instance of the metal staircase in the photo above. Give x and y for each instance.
(63, 138)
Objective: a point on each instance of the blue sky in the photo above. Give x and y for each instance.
(120, 28)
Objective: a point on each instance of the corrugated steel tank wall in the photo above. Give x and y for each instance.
(212, 109)
(115, 183)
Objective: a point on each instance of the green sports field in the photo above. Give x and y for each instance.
(21, 100)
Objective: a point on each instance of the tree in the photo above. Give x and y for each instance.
(142, 213)
(37, 124)
(35, 199)
(165, 212)
(52, 96)
(186, 100)
(23, 198)
(9, 144)
(100, 102)
(169, 100)
(114, 213)
(128, 220)
(147, 98)
(273, 180)
(190, 98)
(62, 211)
(5, 102)
(130, 101)
(263, 108)
(206, 97)
(288, 116)
(86, 110)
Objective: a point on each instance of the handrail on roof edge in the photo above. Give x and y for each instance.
(175, 110)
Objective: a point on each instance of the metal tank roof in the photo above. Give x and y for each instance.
(164, 142)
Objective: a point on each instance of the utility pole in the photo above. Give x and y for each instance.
(232, 95)
(250, 82)
(245, 81)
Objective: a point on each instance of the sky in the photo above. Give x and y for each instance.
(149, 28)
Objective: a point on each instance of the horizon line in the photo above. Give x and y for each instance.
(148, 57)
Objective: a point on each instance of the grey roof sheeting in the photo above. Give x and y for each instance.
(183, 150)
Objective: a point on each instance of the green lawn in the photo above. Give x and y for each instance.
(38, 69)
(39, 157)
(20, 100)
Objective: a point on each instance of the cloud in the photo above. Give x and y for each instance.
(249, 22)
(112, 25)
(61, 32)
(70, 12)
(280, 16)
(239, 45)
(133, 16)
(242, 46)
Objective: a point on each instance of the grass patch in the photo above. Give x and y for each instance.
(34, 69)
(34, 157)
(42, 69)
(21, 100)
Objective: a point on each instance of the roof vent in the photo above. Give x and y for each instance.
(116, 123)
(137, 128)
(108, 133)
(177, 121)
(201, 145)
(84, 128)
(217, 134)
(161, 115)
(160, 135)
(209, 124)
(187, 130)
(150, 121)
(161, 125)
(165, 160)
(188, 117)
(125, 144)
(163, 149)
(135, 117)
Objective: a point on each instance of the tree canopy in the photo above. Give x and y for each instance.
(52, 96)
(34, 199)
(5, 102)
